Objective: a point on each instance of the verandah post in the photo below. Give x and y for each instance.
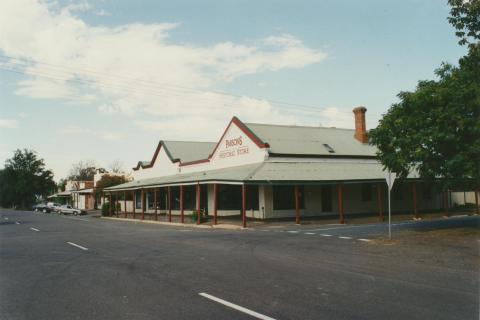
(297, 206)
(110, 205)
(198, 203)
(414, 200)
(125, 203)
(169, 204)
(155, 202)
(215, 203)
(134, 201)
(143, 204)
(181, 205)
(244, 213)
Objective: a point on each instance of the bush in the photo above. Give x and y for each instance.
(203, 216)
(106, 209)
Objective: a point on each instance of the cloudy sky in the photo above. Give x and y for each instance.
(105, 80)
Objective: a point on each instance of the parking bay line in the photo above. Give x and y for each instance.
(347, 238)
(34, 229)
(76, 245)
(236, 307)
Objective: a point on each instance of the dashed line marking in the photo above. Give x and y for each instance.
(76, 245)
(34, 229)
(16, 222)
(292, 231)
(310, 233)
(347, 238)
(5, 218)
(236, 307)
(365, 240)
(326, 235)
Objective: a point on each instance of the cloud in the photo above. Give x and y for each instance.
(74, 130)
(138, 69)
(23, 115)
(8, 123)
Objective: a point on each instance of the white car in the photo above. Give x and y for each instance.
(66, 209)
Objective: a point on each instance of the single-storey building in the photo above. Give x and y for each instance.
(266, 171)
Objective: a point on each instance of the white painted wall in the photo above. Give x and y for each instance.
(163, 166)
(235, 149)
(461, 198)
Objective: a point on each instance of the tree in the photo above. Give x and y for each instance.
(465, 18)
(436, 128)
(24, 179)
(108, 180)
(116, 166)
(62, 184)
(82, 171)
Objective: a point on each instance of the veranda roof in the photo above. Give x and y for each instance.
(272, 172)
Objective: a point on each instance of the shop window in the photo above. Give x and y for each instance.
(366, 192)
(189, 198)
(251, 200)
(138, 199)
(229, 197)
(284, 198)
(148, 200)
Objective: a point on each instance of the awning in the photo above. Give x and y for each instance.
(83, 191)
(63, 194)
(272, 172)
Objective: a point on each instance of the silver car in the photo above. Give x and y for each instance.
(66, 209)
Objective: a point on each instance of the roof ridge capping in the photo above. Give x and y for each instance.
(295, 126)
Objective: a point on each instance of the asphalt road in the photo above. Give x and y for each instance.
(56, 267)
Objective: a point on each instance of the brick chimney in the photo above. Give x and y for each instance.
(360, 127)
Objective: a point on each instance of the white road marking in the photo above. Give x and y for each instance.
(5, 218)
(34, 229)
(236, 307)
(292, 231)
(309, 233)
(326, 235)
(76, 245)
(16, 222)
(348, 238)
(366, 240)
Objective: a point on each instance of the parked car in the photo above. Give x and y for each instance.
(52, 207)
(66, 209)
(39, 207)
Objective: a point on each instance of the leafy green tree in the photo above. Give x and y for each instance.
(108, 180)
(465, 18)
(24, 180)
(436, 128)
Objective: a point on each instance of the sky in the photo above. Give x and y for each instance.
(106, 80)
